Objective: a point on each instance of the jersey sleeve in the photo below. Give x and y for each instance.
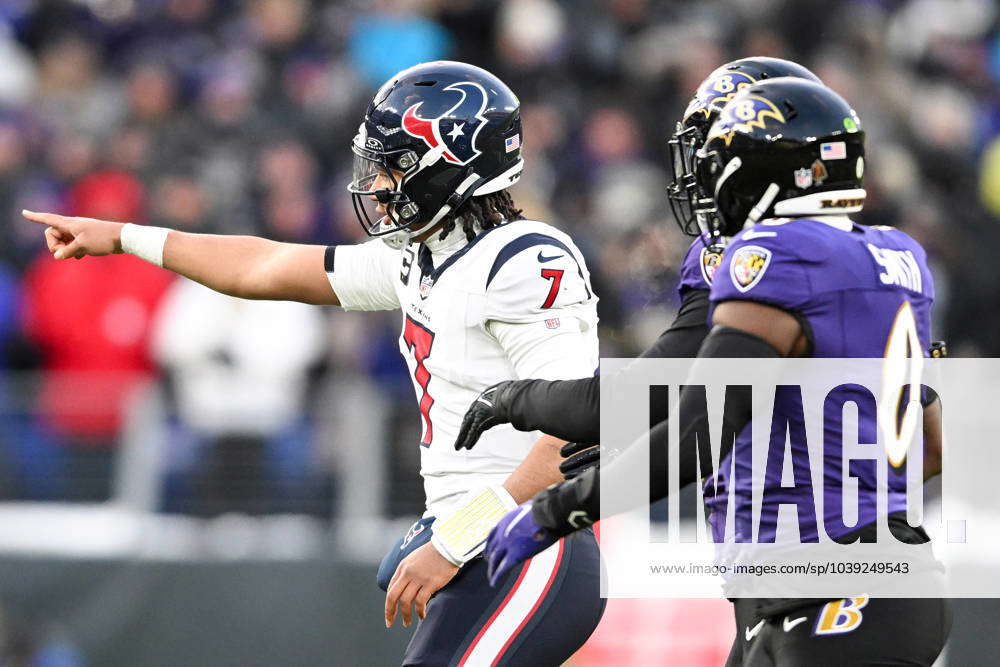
(765, 268)
(698, 267)
(537, 277)
(363, 275)
(541, 350)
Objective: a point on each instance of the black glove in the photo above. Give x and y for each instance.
(488, 410)
(569, 506)
(578, 457)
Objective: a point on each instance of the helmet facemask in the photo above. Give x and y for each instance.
(402, 214)
(693, 208)
(681, 147)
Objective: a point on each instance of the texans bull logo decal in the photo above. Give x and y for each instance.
(457, 138)
(744, 115)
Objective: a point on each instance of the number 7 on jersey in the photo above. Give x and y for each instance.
(419, 340)
(555, 275)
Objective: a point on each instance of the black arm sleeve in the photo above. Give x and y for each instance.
(567, 409)
(571, 409)
(687, 332)
(721, 343)
(554, 508)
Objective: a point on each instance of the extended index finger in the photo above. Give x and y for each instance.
(60, 222)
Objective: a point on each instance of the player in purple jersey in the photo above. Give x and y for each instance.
(787, 158)
(818, 270)
(571, 408)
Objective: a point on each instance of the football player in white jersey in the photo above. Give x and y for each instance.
(485, 296)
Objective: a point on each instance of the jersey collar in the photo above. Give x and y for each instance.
(442, 253)
(841, 222)
(442, 249)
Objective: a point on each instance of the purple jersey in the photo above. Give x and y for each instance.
(698, 267)
(846, 283)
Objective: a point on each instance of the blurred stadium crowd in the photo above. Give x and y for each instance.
(236, 117)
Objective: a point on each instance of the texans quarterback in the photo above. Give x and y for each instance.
(485, 296)
(786, 157)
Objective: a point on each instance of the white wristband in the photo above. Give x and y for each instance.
(144, 242)
(461, 536)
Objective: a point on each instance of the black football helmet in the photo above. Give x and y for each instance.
(781, 148)
(712, 95)
(441, 132)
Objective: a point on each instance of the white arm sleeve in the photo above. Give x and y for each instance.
(566, 352)
(363, 276)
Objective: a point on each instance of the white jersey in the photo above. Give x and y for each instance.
(514, 303)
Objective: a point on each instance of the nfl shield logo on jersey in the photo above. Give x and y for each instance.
(552, 323)
(426, 283)
(748, 267)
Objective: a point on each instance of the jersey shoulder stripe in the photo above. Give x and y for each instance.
(522, 243)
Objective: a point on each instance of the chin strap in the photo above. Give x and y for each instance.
(473, 183)
(399, 238)
(762, 205)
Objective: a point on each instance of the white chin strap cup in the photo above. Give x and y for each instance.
(400, 237)
(396, 240)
